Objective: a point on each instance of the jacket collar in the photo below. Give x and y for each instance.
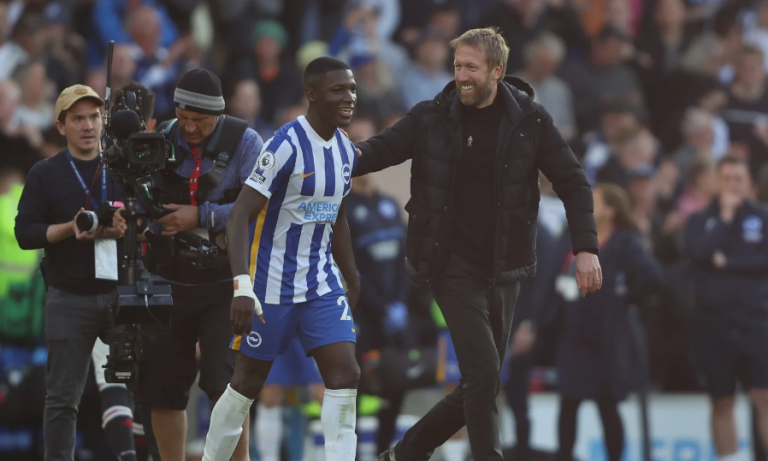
(515, 94)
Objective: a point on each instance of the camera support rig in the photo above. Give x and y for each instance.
(138, 302)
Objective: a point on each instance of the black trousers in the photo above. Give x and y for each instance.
(516, 390)
(72, 324)
(479, 320)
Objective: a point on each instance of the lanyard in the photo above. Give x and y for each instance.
(194, 178)
(84, 186)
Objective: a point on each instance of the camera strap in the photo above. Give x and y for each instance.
(85, 187)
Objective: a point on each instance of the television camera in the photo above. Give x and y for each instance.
(132, 155)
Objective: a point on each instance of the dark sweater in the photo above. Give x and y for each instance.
(474, 223)
(53, 195)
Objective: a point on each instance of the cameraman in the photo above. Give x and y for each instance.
(80, 268)
(214, 155)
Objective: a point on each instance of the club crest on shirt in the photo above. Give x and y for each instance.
(346, 173)
(752, 229)
(266, 161)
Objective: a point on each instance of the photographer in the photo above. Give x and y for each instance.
(214, 154)
(80, 268)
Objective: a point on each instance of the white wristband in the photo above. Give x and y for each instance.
(244, 287)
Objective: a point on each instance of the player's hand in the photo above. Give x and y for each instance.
(589, 275)
(241, 315)
(183, 218)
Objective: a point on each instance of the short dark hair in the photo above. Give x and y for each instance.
(147, 108)
(732, 160)
(321, 66)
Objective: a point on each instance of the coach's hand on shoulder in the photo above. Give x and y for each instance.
(183, 218)
(589, 275)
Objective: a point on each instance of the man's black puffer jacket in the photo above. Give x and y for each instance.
(430, 135)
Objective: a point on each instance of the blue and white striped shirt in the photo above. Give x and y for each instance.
(305, 179)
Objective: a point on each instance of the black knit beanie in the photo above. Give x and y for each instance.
(199, 90)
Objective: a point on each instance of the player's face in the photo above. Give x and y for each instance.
(338, 96)
(195, 127)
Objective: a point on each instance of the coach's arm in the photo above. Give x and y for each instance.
(391, 147)
(558, 163)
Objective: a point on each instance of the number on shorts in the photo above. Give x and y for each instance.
(345, 315)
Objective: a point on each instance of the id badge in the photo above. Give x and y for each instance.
(105, 255)
(567, 287)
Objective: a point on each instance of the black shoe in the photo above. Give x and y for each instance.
(388, 455)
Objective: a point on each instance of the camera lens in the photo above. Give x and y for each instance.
(87, 221)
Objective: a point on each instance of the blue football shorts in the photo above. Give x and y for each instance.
(315, 323)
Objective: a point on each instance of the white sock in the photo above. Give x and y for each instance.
(318, 441)
(454, 449)
(269, 432)
(367, 429)
(226, 425)
(338, 417)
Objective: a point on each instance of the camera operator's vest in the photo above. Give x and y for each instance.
(187, 257)
(220, 148)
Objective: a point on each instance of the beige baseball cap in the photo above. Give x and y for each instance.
(71, 95)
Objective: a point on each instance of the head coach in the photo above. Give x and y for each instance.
(476, 152)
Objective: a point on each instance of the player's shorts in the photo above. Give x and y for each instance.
(294, 368)
(319, 322)
(448, 364)
(728, 355)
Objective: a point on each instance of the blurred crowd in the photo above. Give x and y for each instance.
(650, 94)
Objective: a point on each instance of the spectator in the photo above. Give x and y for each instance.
(597, 355)
(109, 19)
(18, 140)
(700, 190)
(662, 49)
(522, 20)
(603, 76)
(35, 109)
(362, 31)
(278, 78)
(747, 106)
(543, 57)
(699, 139)
(377, 94)
(728, 251)
(123, 69)
(244, 101)
(157, 67)
(619, 118)
(758, 36)
(27, 42)
(427, 77)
